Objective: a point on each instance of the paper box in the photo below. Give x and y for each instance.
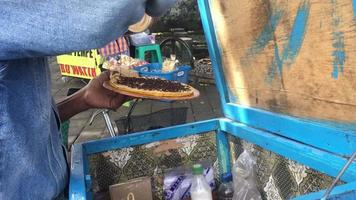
(135, 189)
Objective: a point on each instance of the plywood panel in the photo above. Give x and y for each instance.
(296, 57)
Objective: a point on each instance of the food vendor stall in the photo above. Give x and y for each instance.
(284, 74)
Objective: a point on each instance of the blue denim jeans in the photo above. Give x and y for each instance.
(32, 163)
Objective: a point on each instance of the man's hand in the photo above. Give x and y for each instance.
(93, 95)
(96, 96)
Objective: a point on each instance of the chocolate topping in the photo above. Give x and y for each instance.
(152, 84)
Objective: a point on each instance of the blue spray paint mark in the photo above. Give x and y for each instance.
(272, 70)
(338, 44)
(338, 54)
(276, 66)
(267, 33)
(296, 37)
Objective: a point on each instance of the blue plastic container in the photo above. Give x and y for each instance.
(154, 70)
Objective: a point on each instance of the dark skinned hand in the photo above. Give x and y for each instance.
(96, 96)
(93, 95)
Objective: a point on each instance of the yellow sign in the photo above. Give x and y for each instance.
(83, 64)
(79, 71)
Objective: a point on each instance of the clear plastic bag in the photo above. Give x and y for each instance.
(244, 178)
(143, 38)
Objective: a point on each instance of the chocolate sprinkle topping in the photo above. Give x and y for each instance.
(152, 84)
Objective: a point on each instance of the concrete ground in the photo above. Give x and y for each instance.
(206, 106)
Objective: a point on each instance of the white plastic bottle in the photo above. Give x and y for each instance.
(200, 189)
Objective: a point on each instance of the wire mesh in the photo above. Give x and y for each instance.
(151, 160)
(278, 178)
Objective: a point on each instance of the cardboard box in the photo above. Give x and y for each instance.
(134, 189)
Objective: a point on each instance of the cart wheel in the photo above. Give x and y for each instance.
(178, 47)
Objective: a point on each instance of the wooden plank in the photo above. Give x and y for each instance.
(292, 57)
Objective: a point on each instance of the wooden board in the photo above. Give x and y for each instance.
(294, 57)
(137, 95)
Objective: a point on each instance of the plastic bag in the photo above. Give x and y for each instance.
(143, 38)
(244, 178)
(177, 182)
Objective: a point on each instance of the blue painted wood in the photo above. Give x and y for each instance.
(329, 138)
(77, 189)
(320, 160)
(292, 48)
(214, 50)
(343, 196)
(88, 185)
(150, 136)
(354, 8)
(347, 127)
(87, 177)
(223, 151)
(342, 192)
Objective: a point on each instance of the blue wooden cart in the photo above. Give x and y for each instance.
(284, 73)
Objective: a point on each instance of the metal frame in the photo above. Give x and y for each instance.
(322, 147)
